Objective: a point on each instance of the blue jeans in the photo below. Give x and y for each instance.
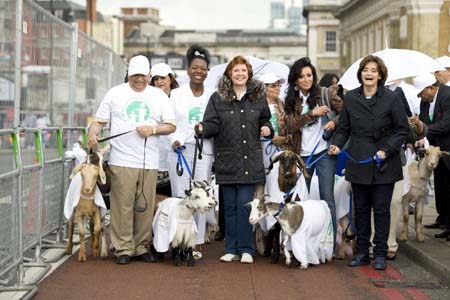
(325, 170)
(238, 230)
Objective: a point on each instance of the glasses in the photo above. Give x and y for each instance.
(274, 85)
(156, 78)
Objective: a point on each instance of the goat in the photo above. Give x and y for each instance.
(280, 183)
(174, 222)
(419, 174)
(86, 207)
(307, 225)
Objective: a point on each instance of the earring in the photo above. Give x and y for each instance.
(296, 88)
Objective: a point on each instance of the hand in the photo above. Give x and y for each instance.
(320, 111)
(330, 126)
(92, 140)
(381, 154)
(417, 123)
(265, 131)
(176, 145)
(334, 150)
(144, 131)
(198, 129)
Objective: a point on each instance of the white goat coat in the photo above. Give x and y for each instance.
(165, 224)
(312, 243)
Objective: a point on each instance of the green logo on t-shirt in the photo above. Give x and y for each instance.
(138, 111)
(274, 121)
(195, 115)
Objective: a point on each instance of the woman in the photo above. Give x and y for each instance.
(164, 79)
(375, 119)
(190, 101)
(237, 116)
(311, 116)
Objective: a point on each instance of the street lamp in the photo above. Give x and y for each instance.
(147, 36)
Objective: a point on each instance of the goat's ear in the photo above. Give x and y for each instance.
(187, 192)
(444, 153)
(76, 170)
(101, 175)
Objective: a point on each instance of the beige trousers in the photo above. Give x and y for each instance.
(132, 190)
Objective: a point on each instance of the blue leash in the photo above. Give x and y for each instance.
(378, 160)
(308, 162)
(181, 160)
(271, 148)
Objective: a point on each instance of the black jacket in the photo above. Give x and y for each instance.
(438, 130)
(235, 126)
(378, 123)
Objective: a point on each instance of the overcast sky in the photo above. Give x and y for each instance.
(200, 14)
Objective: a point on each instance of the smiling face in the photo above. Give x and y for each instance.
(305, 80)
(273, 90)
(370, 74)
(239, 75)
(162, 82)
(197, 71)
(138, 82)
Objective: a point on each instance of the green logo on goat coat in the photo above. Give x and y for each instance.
(195, 115)
(137, 111)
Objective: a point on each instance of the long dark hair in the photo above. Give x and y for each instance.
(292, 92)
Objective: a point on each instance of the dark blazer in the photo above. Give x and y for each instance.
(378, 123)
(235, 126)
(438, 130)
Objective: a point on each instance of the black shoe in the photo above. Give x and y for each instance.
(219, 236)
(379, 263)
(146, 257)
(359, 260)
(443, 234)
(123, 259)
(433, 225)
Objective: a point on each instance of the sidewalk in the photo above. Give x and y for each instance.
(433, 254)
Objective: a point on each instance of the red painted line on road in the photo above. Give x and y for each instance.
(392, 273)
(392, 294)
(417, 294)
(370, 272)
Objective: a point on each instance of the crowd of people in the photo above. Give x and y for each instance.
(244, 116)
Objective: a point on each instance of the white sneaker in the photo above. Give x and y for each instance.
(230, 257)
(246, 258)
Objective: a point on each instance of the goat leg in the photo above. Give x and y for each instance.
(418, 219)
(104, 248)
(404, 233)
(177, 251)
(97, 230)
(81, 231)
(190, 257)
(275, 258)
(70, 239)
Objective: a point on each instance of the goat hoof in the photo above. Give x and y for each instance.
(191, 263)
(95, 253)
(81, 258)
(303, 266)
(274, 259)
(420, 239)
(403, 238)
(177, 263)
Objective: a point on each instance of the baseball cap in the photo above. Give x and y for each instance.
(139, 65)
(270, 78)
(161, 69)
(422, 81)
(444, 61)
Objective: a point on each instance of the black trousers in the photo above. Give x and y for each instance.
(442, 193)
(377, 197)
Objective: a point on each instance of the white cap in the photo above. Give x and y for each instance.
(161, 69)
(422, 81)
(444, 61)
(270, 78)
(138, 65)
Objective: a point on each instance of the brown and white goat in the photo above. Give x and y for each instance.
(419, 175)
(86, 208)
(291, 217)
(174, 222)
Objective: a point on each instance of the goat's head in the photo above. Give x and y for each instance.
(258, 211)
(432, 156)
(200, 197)
(90, 174)
(289, 164)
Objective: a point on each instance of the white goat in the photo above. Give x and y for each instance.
(307, 225)
(419, 174)
(174, 222)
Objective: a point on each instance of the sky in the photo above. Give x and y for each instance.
(200, 14)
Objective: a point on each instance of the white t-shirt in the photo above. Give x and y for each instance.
(311, 134)
(127, 109)
(189, 111)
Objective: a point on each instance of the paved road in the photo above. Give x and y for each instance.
(211, 279)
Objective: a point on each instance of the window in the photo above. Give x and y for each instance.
(330, 41)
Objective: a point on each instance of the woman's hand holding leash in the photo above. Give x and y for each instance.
(334, 150)
(265, 131)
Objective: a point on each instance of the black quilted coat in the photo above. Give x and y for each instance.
(235, 126)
